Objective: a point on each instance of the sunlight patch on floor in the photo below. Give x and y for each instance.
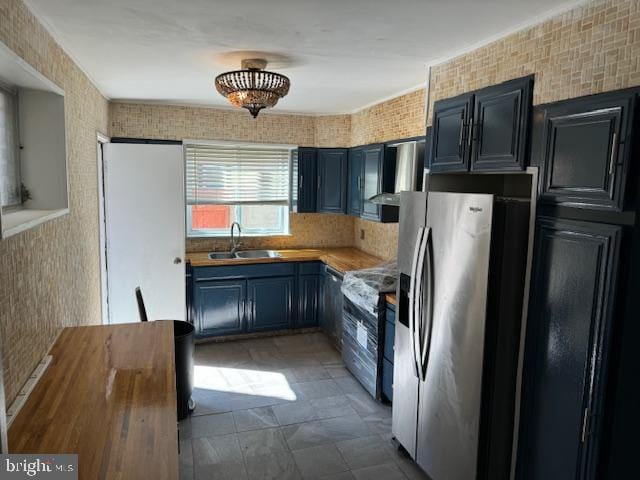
(244, 381)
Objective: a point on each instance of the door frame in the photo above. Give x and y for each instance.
(104, 288)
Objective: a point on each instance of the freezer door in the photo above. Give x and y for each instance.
(450, 395)
(413, 212)
(413, 209)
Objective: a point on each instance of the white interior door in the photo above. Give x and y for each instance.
(145, 230)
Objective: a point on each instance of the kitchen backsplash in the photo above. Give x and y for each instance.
(380, 239)
(308, 230)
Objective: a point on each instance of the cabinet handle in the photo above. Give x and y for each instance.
(461, 132)
(301, 182)
(614, 148)
(471, 125)
(319, 182)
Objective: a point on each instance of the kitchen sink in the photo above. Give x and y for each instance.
(243, 254)
(221, 256)
(257, 254)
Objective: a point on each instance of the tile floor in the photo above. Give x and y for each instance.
(285, 408)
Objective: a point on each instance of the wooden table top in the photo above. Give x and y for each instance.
(108, 395)
(341, 259)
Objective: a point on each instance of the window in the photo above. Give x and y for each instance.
(244, 183)
(10, 195)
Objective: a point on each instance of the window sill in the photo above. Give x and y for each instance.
(244, 235)
(21, 220)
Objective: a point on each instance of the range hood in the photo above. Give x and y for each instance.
(409, 167)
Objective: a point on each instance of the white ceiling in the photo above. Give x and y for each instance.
(345, 54)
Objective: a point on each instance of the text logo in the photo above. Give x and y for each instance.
(38, 466)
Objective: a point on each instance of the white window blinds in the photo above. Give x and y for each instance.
(219, 174)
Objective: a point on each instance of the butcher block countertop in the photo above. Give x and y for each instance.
(108, 395)
(341, 259)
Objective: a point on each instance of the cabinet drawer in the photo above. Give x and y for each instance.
(389, 337)
(239, 271)
(387, 380)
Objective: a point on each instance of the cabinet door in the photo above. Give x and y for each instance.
(373, 165)
(356, 171)
(308, 300)
(585, 150)
(500, 126)
(450, 139)
(220, 307)
(332, 180)
(307, 179)
(567, 343)
(270, 303)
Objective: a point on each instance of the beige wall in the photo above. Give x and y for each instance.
(400, 117)
(307, 230)
(178, 123)
(50, 275)
(397, 118)
(590, 49)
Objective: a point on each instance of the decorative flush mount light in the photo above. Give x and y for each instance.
(253, 87)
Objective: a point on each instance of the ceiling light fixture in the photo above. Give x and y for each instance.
(253, 87)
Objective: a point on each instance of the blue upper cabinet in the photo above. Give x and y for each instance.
(371, 172)
(450, 146)
(219, 307)
(486, 130)
(307, 179)
(584, 146)
(332, 180)
(501, 124)
(355, 183)
(270, 303)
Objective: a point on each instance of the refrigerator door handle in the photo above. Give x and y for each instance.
(412, 299)
(426, 335)
(418, 301)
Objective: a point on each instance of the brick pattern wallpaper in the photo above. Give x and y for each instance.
(589, 49)
(50, 275)
(308, 230)
(400, 117)
(169, 122)
(380, 239)
(333, 131)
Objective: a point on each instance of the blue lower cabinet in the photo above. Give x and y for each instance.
(387, 361)
(387, 379)
(270, 303)
(308, 300)
(233, 299)
(219, 307)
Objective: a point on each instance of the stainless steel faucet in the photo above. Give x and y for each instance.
(235, 243)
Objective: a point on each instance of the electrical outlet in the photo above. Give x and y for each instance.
(361, 234)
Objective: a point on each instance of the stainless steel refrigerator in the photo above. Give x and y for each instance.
(462, 262)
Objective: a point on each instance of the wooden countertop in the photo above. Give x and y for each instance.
(391, 298)
(341, 259)
(109, 396)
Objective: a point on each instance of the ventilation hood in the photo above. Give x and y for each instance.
(409, 167)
